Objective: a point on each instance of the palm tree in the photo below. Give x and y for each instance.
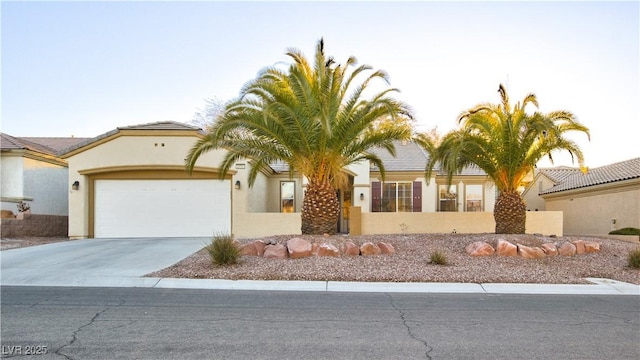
(505, 142)
(315, 118)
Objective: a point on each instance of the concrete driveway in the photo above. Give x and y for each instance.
(94, 262)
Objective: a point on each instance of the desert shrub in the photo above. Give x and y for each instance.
(634, 258)
(223, 250)
(438, 258)
(626, 231)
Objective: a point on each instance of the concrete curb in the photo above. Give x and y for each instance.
(599, 286)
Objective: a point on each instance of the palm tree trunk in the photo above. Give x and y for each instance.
(510, 213)
(320, 209)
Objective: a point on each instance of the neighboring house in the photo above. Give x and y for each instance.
(603, 199)
(544, 178)
(33, 173)
(133, 183)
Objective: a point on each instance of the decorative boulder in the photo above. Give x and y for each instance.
(528, 252)
(248, 249)
(351, 249)
(328, 250)
(579, 246)
(479, 248)
(567, 249)
(549, 249)
(259, 245)
(299, 248)
(591, 247)
(506, 248)
(277, 251)
(369, 248)
(386, 248)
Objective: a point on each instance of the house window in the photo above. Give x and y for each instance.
(287, 196)
(447, 198)
(473, 198)
(396, 197)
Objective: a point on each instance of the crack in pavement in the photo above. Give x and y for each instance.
(74, 335)
(428, 348)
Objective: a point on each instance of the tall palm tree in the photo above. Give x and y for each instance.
(315, 118)
(506, 142)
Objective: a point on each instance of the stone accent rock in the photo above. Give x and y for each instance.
(479, 248)
(259, 245)
(328, 250)
(579, 246)
(549, 249)
(386, 248)
(505, 248)
(528, 252)
(369, 248)
(299, 248)
(351, 249)
(567, 249)
(248, 249)
(591, 247)
(277, 251)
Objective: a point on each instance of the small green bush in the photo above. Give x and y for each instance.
(438, 258)
(626, 231)
(634, 258)
(223, 250)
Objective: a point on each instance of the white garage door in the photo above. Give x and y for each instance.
(161, 208)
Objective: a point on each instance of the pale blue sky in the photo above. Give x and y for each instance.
(85, 68)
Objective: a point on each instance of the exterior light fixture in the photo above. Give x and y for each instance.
(361, 196)
(75, 185)
(237, 186)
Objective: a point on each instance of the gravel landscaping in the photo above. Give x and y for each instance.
(410, 262)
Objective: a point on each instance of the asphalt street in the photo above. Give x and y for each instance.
(155, 323)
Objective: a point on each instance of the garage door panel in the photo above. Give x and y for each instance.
(161, 208)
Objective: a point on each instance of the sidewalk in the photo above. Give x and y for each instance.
(599, 286)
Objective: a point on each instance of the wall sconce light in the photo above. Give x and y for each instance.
(75, 185)
(361, 196)
(237, 186)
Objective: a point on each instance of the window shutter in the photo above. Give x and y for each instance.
(376, 195)
(417, 196)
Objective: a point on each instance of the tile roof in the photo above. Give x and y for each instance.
(557, 174)
(409, 157)
(45, 145)
(620, 171)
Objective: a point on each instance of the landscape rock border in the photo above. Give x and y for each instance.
(297, 248)
(506, 248)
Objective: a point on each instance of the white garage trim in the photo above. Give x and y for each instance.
(161, 207)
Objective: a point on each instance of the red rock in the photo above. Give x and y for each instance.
(248, 249)
(259, 245)
(299, 248)
(369, 248)
(351, 249)
(479, 248)
(528, 252)
(277, 251)
(579, 246)
(506, 248)
(549, 249)
(328, 250)
(567, 249)
(591, 247)
(386, 248)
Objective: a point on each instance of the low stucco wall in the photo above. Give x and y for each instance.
(542, 222)
(251, 225)
(36, 225)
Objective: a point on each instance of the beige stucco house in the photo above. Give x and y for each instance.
(131, 182)
(604, 199)
(542, 179)
(32, 172)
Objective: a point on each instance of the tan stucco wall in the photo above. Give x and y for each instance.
(531, 198)
(126, 152)
(266, 224)
(590, 210)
